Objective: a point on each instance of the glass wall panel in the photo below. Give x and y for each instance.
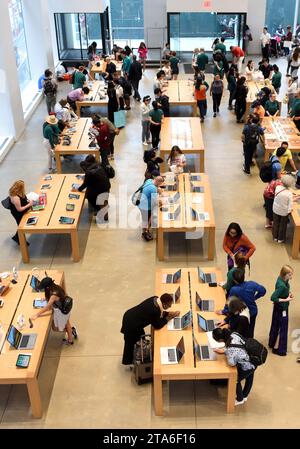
(279, 12)
(127, 21)
(19, 41)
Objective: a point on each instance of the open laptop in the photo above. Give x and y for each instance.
(172, 215)
(197, 189)
(173, 199)
(172, 187)
(173, 354)
(176, 295)
(207, 325)
(34, 283)
(195, 178)
(206, 277)
(204, 352)
(178, 323)
(172, 278)
(19, 340)
(199, 216)
(205, 305)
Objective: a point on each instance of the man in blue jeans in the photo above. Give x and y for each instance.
(249, 292)
(149, 202)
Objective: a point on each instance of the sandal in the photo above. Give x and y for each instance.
(67, 342)
(74, 332)
(146, 236)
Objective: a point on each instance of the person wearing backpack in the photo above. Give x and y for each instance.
(250, 137)
(249, 292)
(238, 317)
(50, 90)
(269, 194)
(281, 298)
(282, 207)
(149, 191)
(162, 101)
(236, 356)
(60, 304)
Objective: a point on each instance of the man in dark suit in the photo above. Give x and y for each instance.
(135, 75)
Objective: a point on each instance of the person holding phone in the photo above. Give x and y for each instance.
(19, 204)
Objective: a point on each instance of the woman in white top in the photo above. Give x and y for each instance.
(167, 69)
(194, 60)
(176, 160)
(295, 63)
(282, 207)
(63, 112)
(159, 82)
(249, 71)
(145, 109)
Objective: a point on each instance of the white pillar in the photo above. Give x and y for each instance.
(296, 16)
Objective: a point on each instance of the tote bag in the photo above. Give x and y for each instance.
(120, 119)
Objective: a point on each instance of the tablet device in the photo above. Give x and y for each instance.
(74, 196)
(31, 221)
(46, 186)
(80, 176)
(66, 220)
(47, 178)
(70, 206)
(75, 186)
(23, 360)
(39, 303)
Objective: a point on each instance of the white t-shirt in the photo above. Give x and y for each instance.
(283, 201)
(265, 39)
(180, 158)
(145, 109)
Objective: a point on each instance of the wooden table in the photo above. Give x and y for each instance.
(180, 93)
(254, 87)
(185, 223)
(48, 222)
(296, 219)
(96, 97)
(19, 300)
(189, 367)
(184, 132)
(102, 68)
(79, 143)
(279, 129)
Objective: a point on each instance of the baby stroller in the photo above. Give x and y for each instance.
(274, 49)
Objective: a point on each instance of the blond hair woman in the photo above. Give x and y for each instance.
(280, 319)
(19, 204)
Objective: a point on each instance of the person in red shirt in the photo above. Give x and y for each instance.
(101, 132)
(235, 241)
(238, 56)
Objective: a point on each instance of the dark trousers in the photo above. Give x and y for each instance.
(155, 131)
(216, 101)
(297, 123)
(231, 97)
(202, 105)
(248, 375)
(279, 328)
(135, 86)
(104, 155)
(18, 219)
(279, 226)
(240, 109)
(72, 104)
(111, 145)
(129, 341)
(265, 51)
(269, 207)
(249, 149)
(252, 325)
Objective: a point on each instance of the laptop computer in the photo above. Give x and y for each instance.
(205, 305)
(199, 216)
(34, 283)
(207, 325)
(195, 178)
(19, 340)
(204, 352)
(197, 189)
(176, 295)
(179, 323)
(206, 277)
(172, 278)
(172, 215)
(173, 354)
(173, 199)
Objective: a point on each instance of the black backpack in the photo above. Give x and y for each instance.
(49, 89)
(265, 171)
(256, 351)
(252, 134)
(109, 170)
(66, 305)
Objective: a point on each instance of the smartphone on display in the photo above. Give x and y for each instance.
(66, 220)
(23, 360)
(39, 303)
(74, 196)
(70, 207)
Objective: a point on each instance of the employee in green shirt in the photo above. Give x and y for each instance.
(221, 46)
(50, 134)
(272, 106)
(79, 78)
(280, 319)
(276, 78)
(156, 116)
(202, 60)
(295, 110)
(174, 61)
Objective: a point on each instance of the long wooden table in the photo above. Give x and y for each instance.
(185, 223)
(254, 86)
(48, 221)
(79, 143)
(184, 132)
(279, 129)
(181, 93)
(96, 97)
(189, 368)
(102, 67)
(19, 300)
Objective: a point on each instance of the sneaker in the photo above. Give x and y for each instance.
(74, 332)
(246, 171)
(246, 399)
(67, 342)
(275, 240)
(239, 402)
(16, 239)
(215, 115)
(149, 142)
(150, 237)
(202, 120)
(280, 241)
(268, 226)
(145, 143)
(146, 236)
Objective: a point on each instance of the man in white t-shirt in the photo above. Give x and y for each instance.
(265, 42)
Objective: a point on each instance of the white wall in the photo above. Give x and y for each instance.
(155, 22)
(215, 5)
(256, 21)
(77, 5)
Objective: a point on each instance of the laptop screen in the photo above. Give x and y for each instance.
(194, 215)
(176, 197)
(198, 299)
(177, 212)
(180, 349)
(201, 275)
(34, 283)
(202, 323)
(177, 276)
(177, 294)
(186, 319)
(13, 337)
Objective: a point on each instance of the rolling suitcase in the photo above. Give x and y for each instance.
(142, 359)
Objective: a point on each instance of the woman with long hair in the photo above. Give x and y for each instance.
(142, 51)
(236, 241)
(19, 204)
(113, 103)
(176, 160)
(240, 99)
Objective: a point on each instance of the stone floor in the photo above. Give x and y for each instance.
(85, 386)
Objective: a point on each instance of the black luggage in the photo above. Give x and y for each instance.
(142, 359)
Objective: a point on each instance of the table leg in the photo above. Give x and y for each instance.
(58, 162)
(78, 108)
(211, 243)
(158, 395)
(231, 392)
(160, 244)
(23, 246)
(75, 245)
(201, 159)
(195, 109)
(34, 397)
(296, 243)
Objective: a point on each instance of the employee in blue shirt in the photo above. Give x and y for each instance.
(148, 202)
(249, 292)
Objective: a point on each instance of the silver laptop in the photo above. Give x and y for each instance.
(204, 352)
(19, 340)
(206, 277)
(205, 305)
(197, 189)
(178, 323)
(173, 354)
(195, 178)
(207, 325)
(199, 216)
(176, 295)
(173, 199)
(171, 278)
(172, 215)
